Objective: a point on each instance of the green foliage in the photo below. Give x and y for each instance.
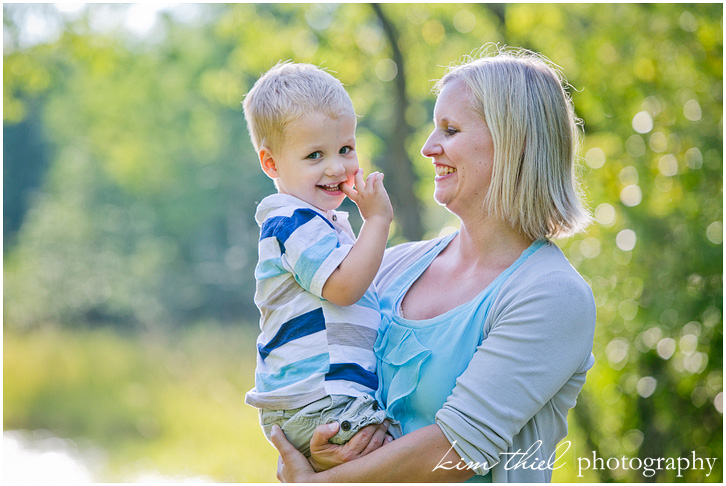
(145, 215)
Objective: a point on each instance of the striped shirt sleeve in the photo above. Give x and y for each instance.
(310, 246)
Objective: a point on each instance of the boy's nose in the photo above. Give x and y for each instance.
(334, 167)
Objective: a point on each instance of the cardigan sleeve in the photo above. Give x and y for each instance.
(540, 338)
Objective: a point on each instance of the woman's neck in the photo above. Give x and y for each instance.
(490, 242)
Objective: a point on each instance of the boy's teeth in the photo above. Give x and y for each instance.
(442, 170)
(331, 187)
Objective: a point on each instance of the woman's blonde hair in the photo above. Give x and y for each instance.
(285, 93)
(536, 136)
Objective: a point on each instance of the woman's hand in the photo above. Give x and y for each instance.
(295, 468)
(325, 455)
(292, 466)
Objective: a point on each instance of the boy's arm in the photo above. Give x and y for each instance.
(347, 284)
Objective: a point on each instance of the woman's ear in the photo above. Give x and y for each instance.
(267, 161)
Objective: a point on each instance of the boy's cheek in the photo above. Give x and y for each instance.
(351, 179)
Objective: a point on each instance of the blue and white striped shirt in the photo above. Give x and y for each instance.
(308, 347)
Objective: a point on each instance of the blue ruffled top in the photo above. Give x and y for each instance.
(419, 361)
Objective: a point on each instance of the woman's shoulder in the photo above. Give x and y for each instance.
(550, 259)
(548, 289)
(549, 269)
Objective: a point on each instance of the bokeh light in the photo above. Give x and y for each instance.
(635, 146)
(605, 214)
(595, 158)
(666, 347)
(464, 21)
(714, 232)
(646, 386)
(625, 239)
(658, 142)
(642, 122)
(694, 158)
(631, 195)
(668, 165)
(386, 69)
(692, 110)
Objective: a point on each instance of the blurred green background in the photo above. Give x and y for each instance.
(130, 186)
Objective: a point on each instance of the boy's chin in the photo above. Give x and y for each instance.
(331, 205)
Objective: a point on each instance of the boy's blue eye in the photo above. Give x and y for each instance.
(315, 155)
(346, 150)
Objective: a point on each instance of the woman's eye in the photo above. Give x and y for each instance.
(346, 150)
(451, 131)
(315, 155)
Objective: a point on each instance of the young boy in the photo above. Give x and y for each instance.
(319, 313)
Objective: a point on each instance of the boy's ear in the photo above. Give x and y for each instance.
(267, 161)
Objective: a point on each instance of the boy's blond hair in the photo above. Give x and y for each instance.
(535, 134)
(285, 93)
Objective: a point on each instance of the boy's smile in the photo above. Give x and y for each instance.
(317, 156)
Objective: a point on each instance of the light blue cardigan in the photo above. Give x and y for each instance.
(526, 375)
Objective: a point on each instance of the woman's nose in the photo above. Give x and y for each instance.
(431, 148)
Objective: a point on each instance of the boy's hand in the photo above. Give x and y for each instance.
(370, 196)
(349, 282)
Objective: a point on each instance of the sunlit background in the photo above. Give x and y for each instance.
(129, 240)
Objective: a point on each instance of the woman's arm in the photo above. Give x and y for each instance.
(424, 455)
(541, 338)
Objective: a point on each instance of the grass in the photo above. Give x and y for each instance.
(166, 405)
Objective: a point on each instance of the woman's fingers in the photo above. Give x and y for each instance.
(378, 438)
(292, 465)
(368, 439)
(324, 454)
(278, 439)
(322, 434)
(288, 453)
(280, 469)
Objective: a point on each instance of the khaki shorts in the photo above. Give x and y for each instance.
(351, 413)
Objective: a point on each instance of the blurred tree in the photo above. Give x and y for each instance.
(25, 151)
(396, 162)
(26, 161)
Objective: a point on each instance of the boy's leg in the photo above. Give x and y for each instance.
(355, 413)
(351, 413)
(298, 424)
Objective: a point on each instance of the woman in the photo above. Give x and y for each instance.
(487, 333)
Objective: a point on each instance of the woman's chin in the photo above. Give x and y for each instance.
(453, 205)
(443, 198)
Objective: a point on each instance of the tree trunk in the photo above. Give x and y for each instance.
(400, 176)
